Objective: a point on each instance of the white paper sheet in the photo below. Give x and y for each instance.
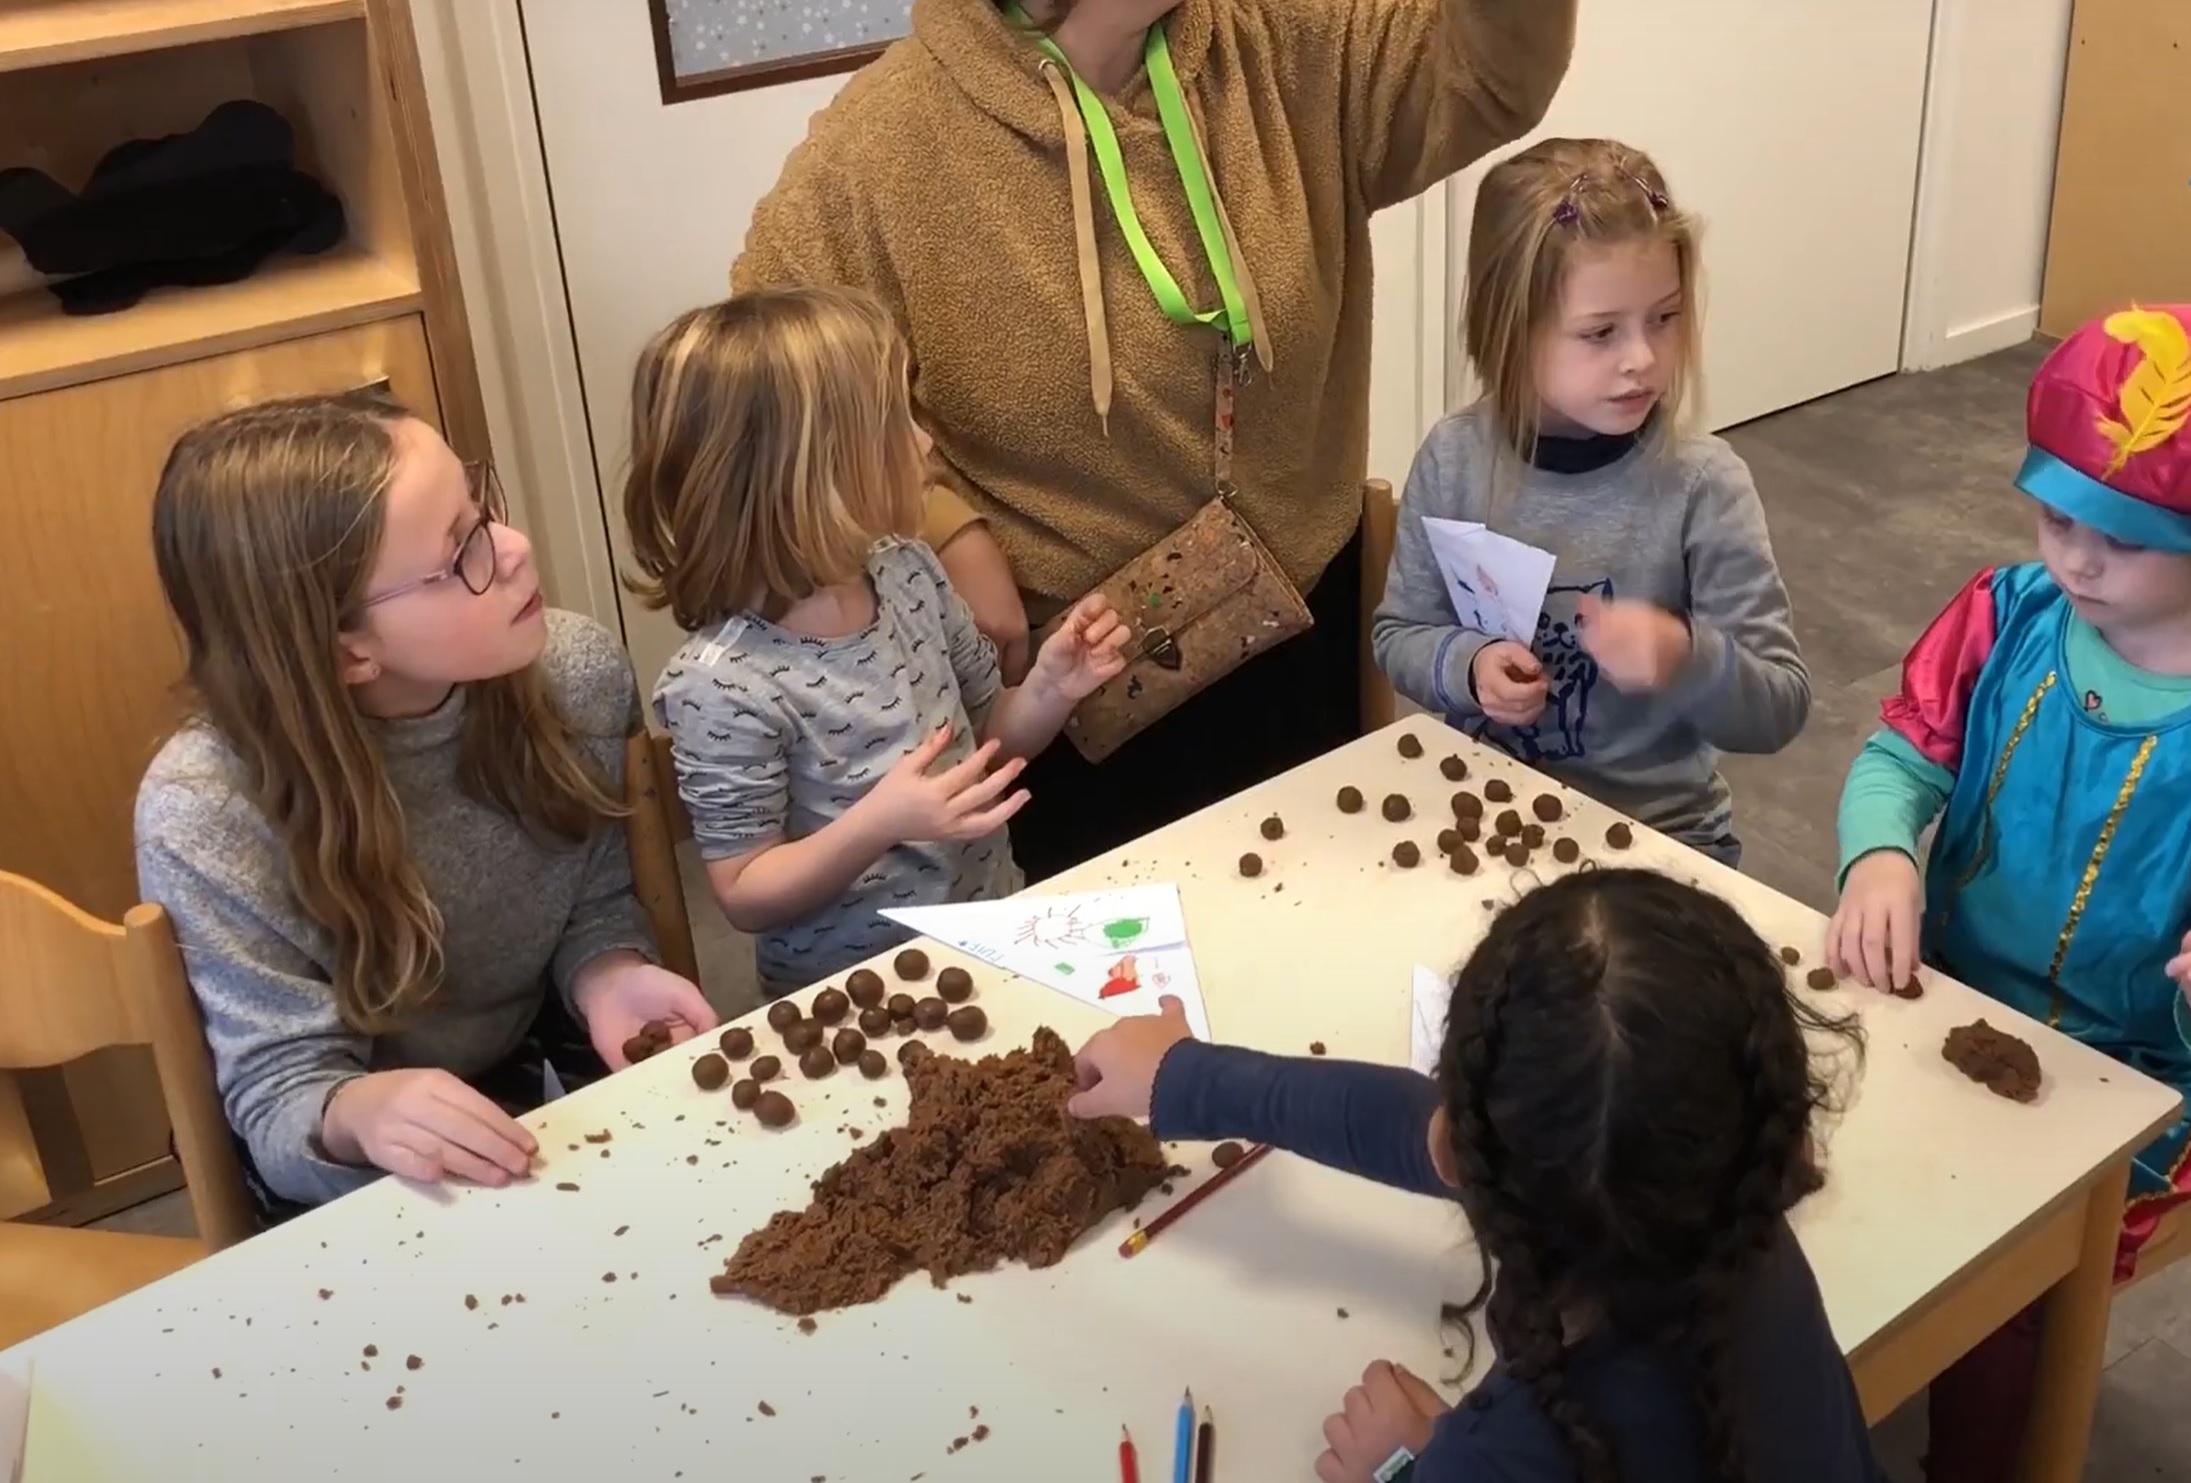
(1119, 950)
(1429, 1002)
(1497, 584)
(15, 1379)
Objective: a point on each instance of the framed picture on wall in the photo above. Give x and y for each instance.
(706, 47)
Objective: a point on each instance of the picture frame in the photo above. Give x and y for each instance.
(706, 48)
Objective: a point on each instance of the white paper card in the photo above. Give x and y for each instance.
(1430, 1000)
(1497, 584)
(15, 1380)
(1121, 950)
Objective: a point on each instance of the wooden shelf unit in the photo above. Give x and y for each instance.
(89, 406)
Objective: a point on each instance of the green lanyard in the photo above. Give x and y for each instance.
(1171, 107)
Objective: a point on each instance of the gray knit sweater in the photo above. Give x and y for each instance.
(520, 914)
(1679, 527)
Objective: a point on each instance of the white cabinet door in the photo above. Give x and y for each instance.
(1792, 128)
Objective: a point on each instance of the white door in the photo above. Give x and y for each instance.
(652, 202)
(1792, 128)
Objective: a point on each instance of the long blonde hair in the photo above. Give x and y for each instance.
(772, 444)
(265, 527)
(1532, 211)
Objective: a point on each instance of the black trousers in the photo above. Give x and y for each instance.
(1280, 709)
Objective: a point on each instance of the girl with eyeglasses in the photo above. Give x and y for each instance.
(389, 831)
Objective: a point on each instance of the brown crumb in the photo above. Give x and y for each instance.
(965, 1298)
(1343, 1313)
(567, 1185)
(621, 1229)
(326, 1293)
(608, 1276)
(1914, 988)
(981, 1433)
(984, 1171)
(470, 1301)
(1274, 827)
(1821, 980)
(1226, 1154)
(1790, 956)
(395, 1403)
(1619, 836)
(1251, 865)
(601, 1137)
(413, 1362)
(1316, 1047)
(807, 1325)
(766, 1409)
(372, 1351)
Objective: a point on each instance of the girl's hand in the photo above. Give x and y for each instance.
(1390, 1409)
(2179, 967)
(1116, 1069)
(423, 1123)
(959, 803)
(1088, 649)
(1510, 684)
(617, 993)
(1873, 935)
(1639, 647)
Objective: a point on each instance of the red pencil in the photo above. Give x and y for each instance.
(1128, 1472)
(1138, 1242)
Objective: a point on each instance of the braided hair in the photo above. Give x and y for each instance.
(1630, 1091)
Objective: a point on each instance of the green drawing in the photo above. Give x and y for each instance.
(1124, 931)
(1065, 968)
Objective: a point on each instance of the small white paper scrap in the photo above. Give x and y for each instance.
(1496, 583)
(1431, 999)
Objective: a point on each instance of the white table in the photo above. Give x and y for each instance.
(1948, 1209)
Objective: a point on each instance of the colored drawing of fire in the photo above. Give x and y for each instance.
(1124, 979)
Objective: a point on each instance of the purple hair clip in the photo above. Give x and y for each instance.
(1569, 210)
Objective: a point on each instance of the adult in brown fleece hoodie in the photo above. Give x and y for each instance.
(1072, 419)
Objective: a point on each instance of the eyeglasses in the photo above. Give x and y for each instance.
(475, 562)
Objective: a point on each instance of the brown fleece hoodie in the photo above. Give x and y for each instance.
(939, 181)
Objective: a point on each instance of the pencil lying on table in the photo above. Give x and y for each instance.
(1138, 1242)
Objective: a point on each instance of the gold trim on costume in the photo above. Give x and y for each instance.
(1981, 852)
(2083, 897)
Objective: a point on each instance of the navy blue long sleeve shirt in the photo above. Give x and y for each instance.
(1801, 1420)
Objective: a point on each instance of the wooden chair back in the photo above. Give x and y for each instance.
(1380, 527)
(656, 822)
(71, 984)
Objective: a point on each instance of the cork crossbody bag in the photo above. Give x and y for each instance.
(1201, 603)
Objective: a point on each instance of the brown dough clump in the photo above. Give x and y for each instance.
(1396, 808)
(1566, 851)
(1822, 980)
(765, 1068)
(874, 1022)
(653, 1038)
(816, 1064)
(874, 1065)
(968, 1022)
(1620, 836)
(1251, 865)
(956, 985)
(831, 1006)
(710, 1072)
(1350, 800)
(803, 1037)
(1411, 745)
(1547, 807)
(1470, 830)
(900, 1006)
(1316, 1047)
(910, 965)
(1498, 790)
(1406, 854)
(1466, 806)
(848, 1046)
(930, 1013)
(1914, 989)
(912, 1053)
(1533, 836)
(782, 1015)
(1225, 1155)
(989, 1168)
(737, 1042)
(1463, 861)
(1995, 1059)
(1790, 956)
(1449, 840)
(1274, 827)
(1509, 824)
(745, 1094)
(775, 1110)
(1453, 768)
(865, 987)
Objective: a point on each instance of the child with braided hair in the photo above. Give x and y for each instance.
(1622, 1108)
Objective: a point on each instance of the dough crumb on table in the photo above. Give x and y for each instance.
(989, 1168)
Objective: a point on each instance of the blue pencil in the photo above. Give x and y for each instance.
(1183, 1448)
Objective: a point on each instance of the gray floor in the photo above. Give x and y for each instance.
(1883, 501)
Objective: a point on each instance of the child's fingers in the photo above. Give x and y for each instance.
(1902, 944)
(958, 779)
(464, 1164)
(989, 821)
(930, 748)
(406, 1162)
(467, 1120)
(1874, 970)
(1418, 1392)
(979, 792)
(1836, 957)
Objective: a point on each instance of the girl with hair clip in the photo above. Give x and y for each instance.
(1665, 637)
(844, 740)
(389, 837)
(1623, 1107)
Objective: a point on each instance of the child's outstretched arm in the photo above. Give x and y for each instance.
(1373, 1121)
(1088, 649)
(1420, 644)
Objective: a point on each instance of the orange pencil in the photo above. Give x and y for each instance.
(1139, 1241)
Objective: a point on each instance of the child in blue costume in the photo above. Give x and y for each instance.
(2047, 712)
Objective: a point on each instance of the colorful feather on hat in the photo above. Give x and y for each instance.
(2156, 399)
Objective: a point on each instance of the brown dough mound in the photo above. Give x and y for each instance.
(1995, 1059)
(989, 1168)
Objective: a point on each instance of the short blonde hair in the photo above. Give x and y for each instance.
(1532, 211)
(772, 444)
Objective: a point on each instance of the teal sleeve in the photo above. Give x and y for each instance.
(1892, 793)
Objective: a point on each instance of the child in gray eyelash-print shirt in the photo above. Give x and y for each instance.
(778, 735)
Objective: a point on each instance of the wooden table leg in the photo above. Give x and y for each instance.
(2072, 1341)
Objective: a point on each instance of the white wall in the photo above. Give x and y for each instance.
(1987, 178)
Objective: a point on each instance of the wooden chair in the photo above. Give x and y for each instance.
(71, 984)
(1380, 525)
(656, 822)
